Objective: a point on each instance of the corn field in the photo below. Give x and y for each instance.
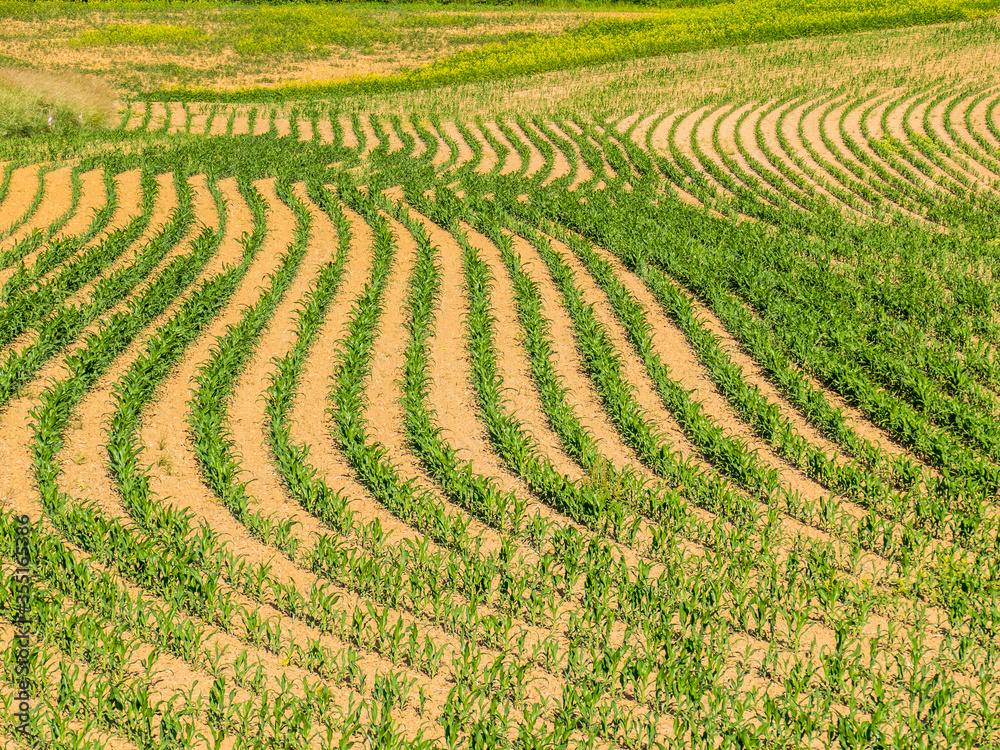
(675, 430)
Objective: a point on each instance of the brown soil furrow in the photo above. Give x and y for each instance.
(560, 163)
(57, 198)
(768, 116)
(395, 143)
(18, 489)
(819, 176)
(324, 130)
(828, 123)
(219, 123)
(247, 417)
(986, 164)
(128, 189)
(978, 121)
(384, 413)
(241, 122)
(262, 121)
(727, 141)
(535, 159)
(443, 152)
(895, 129)
(450, 391)
(309, 422)
(851, 125)
(625, 123)
(202, 113)
(159, 116)
(371, 140)
(20, 193)
(177, 117)
(129, 206)
(137, 113)
(583, 172)
(681, 146)
(958, 159)
(685, 197)
(119, 118)
(683, 136)
(633, 369)
(282, 123)
(675, 350)
(638, 132)
(658, 139)
(659, 144)
(465, 153)
(92, 197)
(580, 392)
(305, 129)
(85, 474)
(419, 147)
(522, 398)
(489, 157)
(512, 162)
(350, 139)
(178, 479)
(995, 119)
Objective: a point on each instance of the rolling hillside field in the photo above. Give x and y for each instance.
(618, 377)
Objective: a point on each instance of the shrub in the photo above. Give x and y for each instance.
(32, 102)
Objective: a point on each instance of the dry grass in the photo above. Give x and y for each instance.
(958, 53)
(32, 102)
(235, 46)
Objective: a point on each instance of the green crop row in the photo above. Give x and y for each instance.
(214, 383)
